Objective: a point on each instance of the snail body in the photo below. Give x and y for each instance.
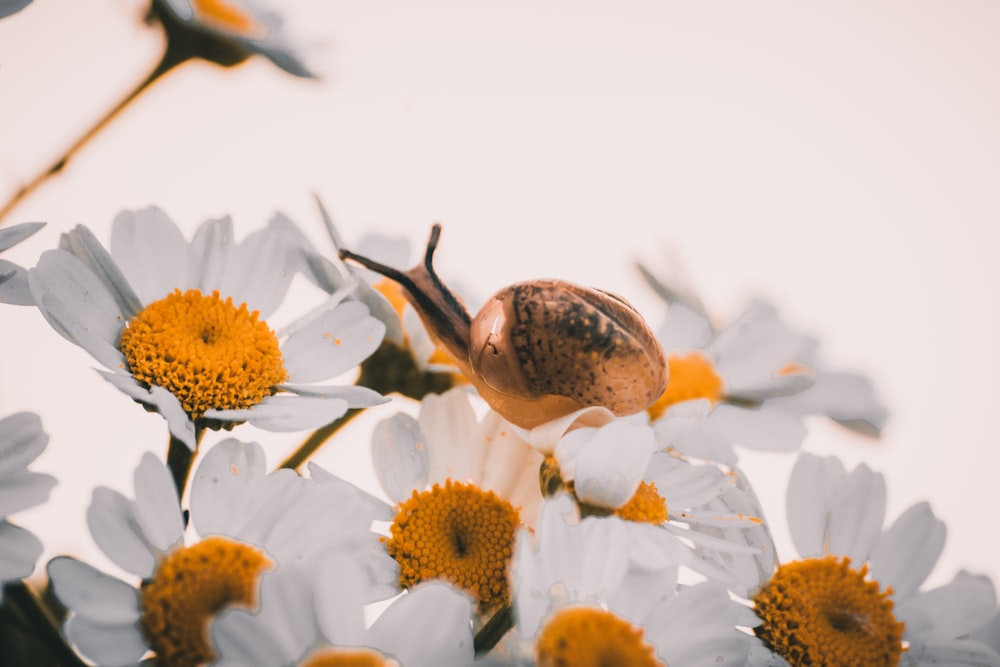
(540, 349)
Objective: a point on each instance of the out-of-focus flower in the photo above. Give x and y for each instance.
(13, 278)
(462, 487)
(310, 617)
(230, 31)
(581, 600)
(247, 522)
(854, 598)
(750, 383)
(180, 324)
(8, 7)
(22, 439)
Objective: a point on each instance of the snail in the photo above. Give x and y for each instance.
(540, 349)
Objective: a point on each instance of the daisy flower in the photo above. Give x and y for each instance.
(311, 617)
(247, 522)
(750, 383)
(580, 600)
(854, 598)
(13, 278)
(229, 31)
(21, 441)
(181, 326)
(462, 487)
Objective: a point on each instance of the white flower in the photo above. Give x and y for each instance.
(836, 518)
(13, 278)
(21, 441)
(247, 522)
(247, 26)
(308, 613)
(620, 611)
(196, 351)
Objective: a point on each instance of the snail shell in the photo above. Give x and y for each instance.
(541, 349)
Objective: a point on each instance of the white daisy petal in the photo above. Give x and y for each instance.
(22, 439)
(14, 234)
(162, 401)
(607, 463)
(905, 554)
(856, 514)
(286, 413)
(84, 245)
(112, 520)
(763, 429)
(109, 644)
(19, 551)
(949, 611)
(955, 653)
(223, 486)
(23, 490)
(449, 422)
(260, 269)
(156, 505)
(92, 594)
(503, 467)
(400, 457)
(545, 437)
(846, 398)
(210, 248)
(418, 639)
(698, 628)
(356, 396)
(682, 484)
(810, 491)
(332, 344)
(152, 253)
(78, 305)
(340, 598)
(684, 328)
(14, 287)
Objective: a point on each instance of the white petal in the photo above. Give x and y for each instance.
(152, 253)
(450, 426)
(14, 287)
(286, 413)
(260, 269)
(419, 639)
(510, 467)
(684, 328)
(697, 627)
(14, 234)
(545, 437)
(356, 396)
(225, 486)
(811, 487)
(161, 401)
(763, 429)
(84, 245)
(340, 598)
(92, 594)
(608, 463)
(400, 456)
(332, 343)
(78, 305)
(23, 490)
(156, 505)
(906, 553)
(210, 249)
(22, 439)
(112, 520)
(19, 550)
(947, 612)
(846, 398)
(856, 514)
(682, 484)
(109, 644)
(754, 346)
(954, 653)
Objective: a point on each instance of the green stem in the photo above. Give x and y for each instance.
(490, 634)
(179, 459)
(41, 620)
(316, 440)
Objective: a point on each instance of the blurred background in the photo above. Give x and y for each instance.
(841, 161)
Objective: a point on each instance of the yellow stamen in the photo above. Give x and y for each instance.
(691, 376)
(592, 637)
(227, 16)
(459, 533)
(393, 293)
(335, 657)
(205, 351)
(647, 505)
(189, 586)
(820, 611)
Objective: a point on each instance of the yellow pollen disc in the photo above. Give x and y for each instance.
(647, 505)
(820, 611)
(205, 351)
(592, 637)
(335, 657)
(393, 293)
(691, 376)
(459, 533)
(189, 586)
(228, 16)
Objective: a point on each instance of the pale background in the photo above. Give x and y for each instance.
(841, 159)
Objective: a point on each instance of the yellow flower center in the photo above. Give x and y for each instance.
(647, 505)
(820, 611)
(691, 376)
(592, 637)
(459, 533)
(228, 16)
(205, 351)
(189, 586)
(335, 657)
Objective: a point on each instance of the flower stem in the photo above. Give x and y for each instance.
(179, 459)
(490, 634)
(42, 622)
(316, 440)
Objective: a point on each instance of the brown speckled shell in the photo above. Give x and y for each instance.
(554, 338)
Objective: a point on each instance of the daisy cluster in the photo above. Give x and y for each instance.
(560, 484)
